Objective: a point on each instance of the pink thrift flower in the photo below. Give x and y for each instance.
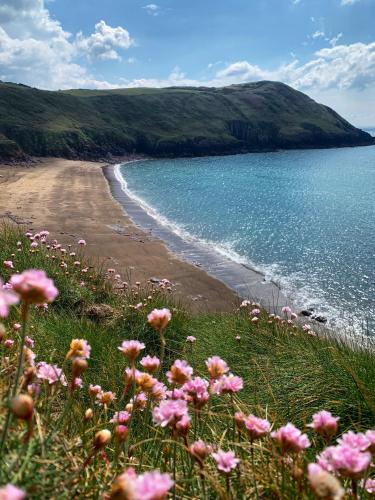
(355, 440)
(176, 394)
(82, 243)
(180, 372)
(94, 390)
(131, 349)
(345, 460)
(120, 417)
(159, 391)
(34, 287)
(369, 486)
(152, 486)
(8, 264)
(255, 312)
(17, 327)
(169, 412)
(8, 343)
(191, 339)
(29, 341)
(10, 492)
(159, 318)
(150, 363)
(226, 461)
(370, 435)
(51, 373)
(200, 449)
(256, 427)
(286, 310)
(228, 384)
(197, 388)
(7, 298)
(216, 367)
(324, 423)
(105, 398)
(290, 439)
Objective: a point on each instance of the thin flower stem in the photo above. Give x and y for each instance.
(24, 311)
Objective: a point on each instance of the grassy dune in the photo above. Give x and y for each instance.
(288, 375)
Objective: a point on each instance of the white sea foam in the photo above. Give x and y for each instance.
(295, 287)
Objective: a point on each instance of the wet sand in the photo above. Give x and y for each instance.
(72, 200)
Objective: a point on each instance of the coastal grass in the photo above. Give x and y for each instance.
(288, 375)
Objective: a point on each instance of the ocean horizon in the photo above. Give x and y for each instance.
(304, 219)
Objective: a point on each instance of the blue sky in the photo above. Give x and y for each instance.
(325, 48)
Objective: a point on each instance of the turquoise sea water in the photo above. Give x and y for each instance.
(304, 218)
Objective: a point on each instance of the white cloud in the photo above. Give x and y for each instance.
(318, 34)
(102, 44)
(349, 2)
(335, 39)
(36, 50)
(152, 9)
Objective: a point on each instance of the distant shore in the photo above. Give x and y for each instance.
(72, 200)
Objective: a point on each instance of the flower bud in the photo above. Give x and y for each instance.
(22, 407)
(102, 438)
(89, 414)
(121, 432)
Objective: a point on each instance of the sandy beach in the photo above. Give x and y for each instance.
(72, 200)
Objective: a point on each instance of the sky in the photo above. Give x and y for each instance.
(325, 48)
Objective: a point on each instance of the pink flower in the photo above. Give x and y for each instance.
(34, 244)
(245, 303)
(7, 298)
(355, 440)
(369, 486)
(255, 312)
(150, 363)
(324, 423)
(159, 391)
(152, 486)
(200, 449)
(323, 484)
(105, 398)
(286, 310)
(226, 461)
(290, 438)
(10, 492)
(34, 287)
(180, 372)
(256, 427)
(8, 264)
(216, 367)
(345, 460)
(169, 412)
(197, 389)
(8, 343)
(29, 341)
(79, 348)
(131, 349)
(159, 318)
(82, 243)
(227, 384)
(191, 339)
(370, 435)
(306, 327)
(94, 390)
(120, 417)
(51, 373)
(17, 327)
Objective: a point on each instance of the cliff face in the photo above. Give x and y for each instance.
(261, 116)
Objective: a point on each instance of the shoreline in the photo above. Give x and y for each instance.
(72, 200)
(242, 279)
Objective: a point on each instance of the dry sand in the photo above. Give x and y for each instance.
(72, 200)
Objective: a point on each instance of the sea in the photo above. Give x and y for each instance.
(304, 220)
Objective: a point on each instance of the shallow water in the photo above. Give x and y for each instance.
(304, 218)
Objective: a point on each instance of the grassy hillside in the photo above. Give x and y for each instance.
(288, 375)
(174, 121)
